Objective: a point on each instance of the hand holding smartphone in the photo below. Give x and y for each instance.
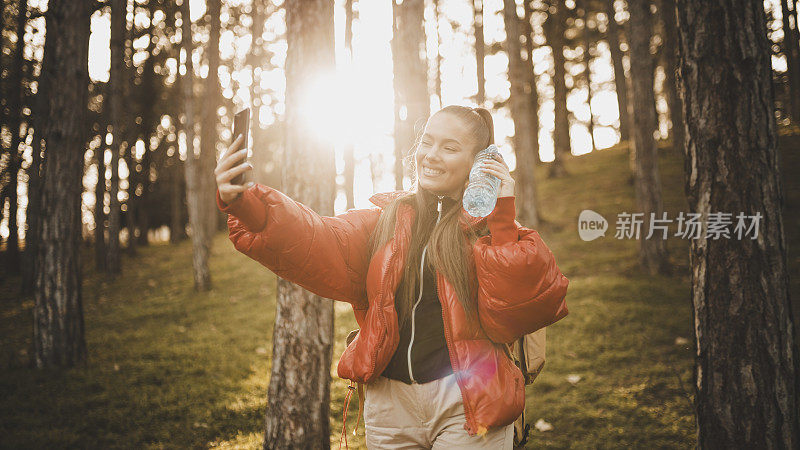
(241, 126)
(232, 167)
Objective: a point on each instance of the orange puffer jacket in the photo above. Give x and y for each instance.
(520, 288)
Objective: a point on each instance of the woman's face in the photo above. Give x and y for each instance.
(444, 156)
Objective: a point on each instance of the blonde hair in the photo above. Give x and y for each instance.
(449, 249)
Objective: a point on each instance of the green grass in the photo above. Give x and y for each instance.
(171, 368)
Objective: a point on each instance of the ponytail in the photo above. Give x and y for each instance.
(486, 116)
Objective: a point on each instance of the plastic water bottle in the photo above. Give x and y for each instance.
(480, 197)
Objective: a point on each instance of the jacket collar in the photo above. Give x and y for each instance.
(382, 199)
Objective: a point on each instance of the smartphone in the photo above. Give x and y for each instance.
(241, 125)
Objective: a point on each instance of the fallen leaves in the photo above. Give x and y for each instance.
(542, 426)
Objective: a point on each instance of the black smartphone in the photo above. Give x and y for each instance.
(241, 125)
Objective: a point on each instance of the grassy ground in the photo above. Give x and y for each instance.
(170, 368)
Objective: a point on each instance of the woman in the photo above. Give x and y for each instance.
(436, 292)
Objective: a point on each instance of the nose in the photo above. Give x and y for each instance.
(432, 154)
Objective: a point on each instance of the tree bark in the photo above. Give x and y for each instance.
(747, 371)
(58, 312)
(652, 252)
(525, 142)
(620, 81)
(480, 51)
(194, 197)
(99, 202)
(299, 390)
(116, 93)
(554, 30)
(411, 101)
(670, 50)
(210, 120)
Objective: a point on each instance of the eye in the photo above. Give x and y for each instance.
(426, 144)
(452, 149)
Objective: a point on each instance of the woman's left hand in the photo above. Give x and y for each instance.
(499, 168)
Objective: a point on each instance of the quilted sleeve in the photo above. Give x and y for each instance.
(520, 287)
(325, 255)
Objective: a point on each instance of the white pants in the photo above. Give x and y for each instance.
(429, 415)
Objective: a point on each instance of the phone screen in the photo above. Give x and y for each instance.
(241, 125)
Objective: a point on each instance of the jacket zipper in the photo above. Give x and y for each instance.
(469, 426)
(419, 297)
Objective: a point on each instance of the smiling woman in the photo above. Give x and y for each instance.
(435, 296)
(443, 161)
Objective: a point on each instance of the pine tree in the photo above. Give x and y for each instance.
(58, 313)
(747, 369)
(299, 391)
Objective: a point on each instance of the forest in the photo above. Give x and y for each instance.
(129, 320)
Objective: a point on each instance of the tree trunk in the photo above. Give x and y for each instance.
(480, 51)
(33, 212)
(620, 81)
(115, 96)
(533, 96)
(525, 142)
(554, 29)
(2, 18)
(349, 156)
(586, 42)
(411, 101)
(255, 60)
(131, 117)
(15, 101)
(210, 121)
(747, 372)
(194, 197)
(149, 122)
(177, 193)
(34, 172)
(58, 313)
(99, 202)
(792, 52)
(670, 49)
(299, 391)
(652, 251)
(438, 80)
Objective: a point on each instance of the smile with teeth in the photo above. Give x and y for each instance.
(431, 172)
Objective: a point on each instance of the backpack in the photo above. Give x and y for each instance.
(528, 353)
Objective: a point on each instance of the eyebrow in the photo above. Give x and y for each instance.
(446, 139)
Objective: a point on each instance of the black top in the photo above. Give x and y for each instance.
(430, 358)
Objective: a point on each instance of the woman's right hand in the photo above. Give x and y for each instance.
(227, 169)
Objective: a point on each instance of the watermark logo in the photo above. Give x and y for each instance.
(716, 225)
(591, 225)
